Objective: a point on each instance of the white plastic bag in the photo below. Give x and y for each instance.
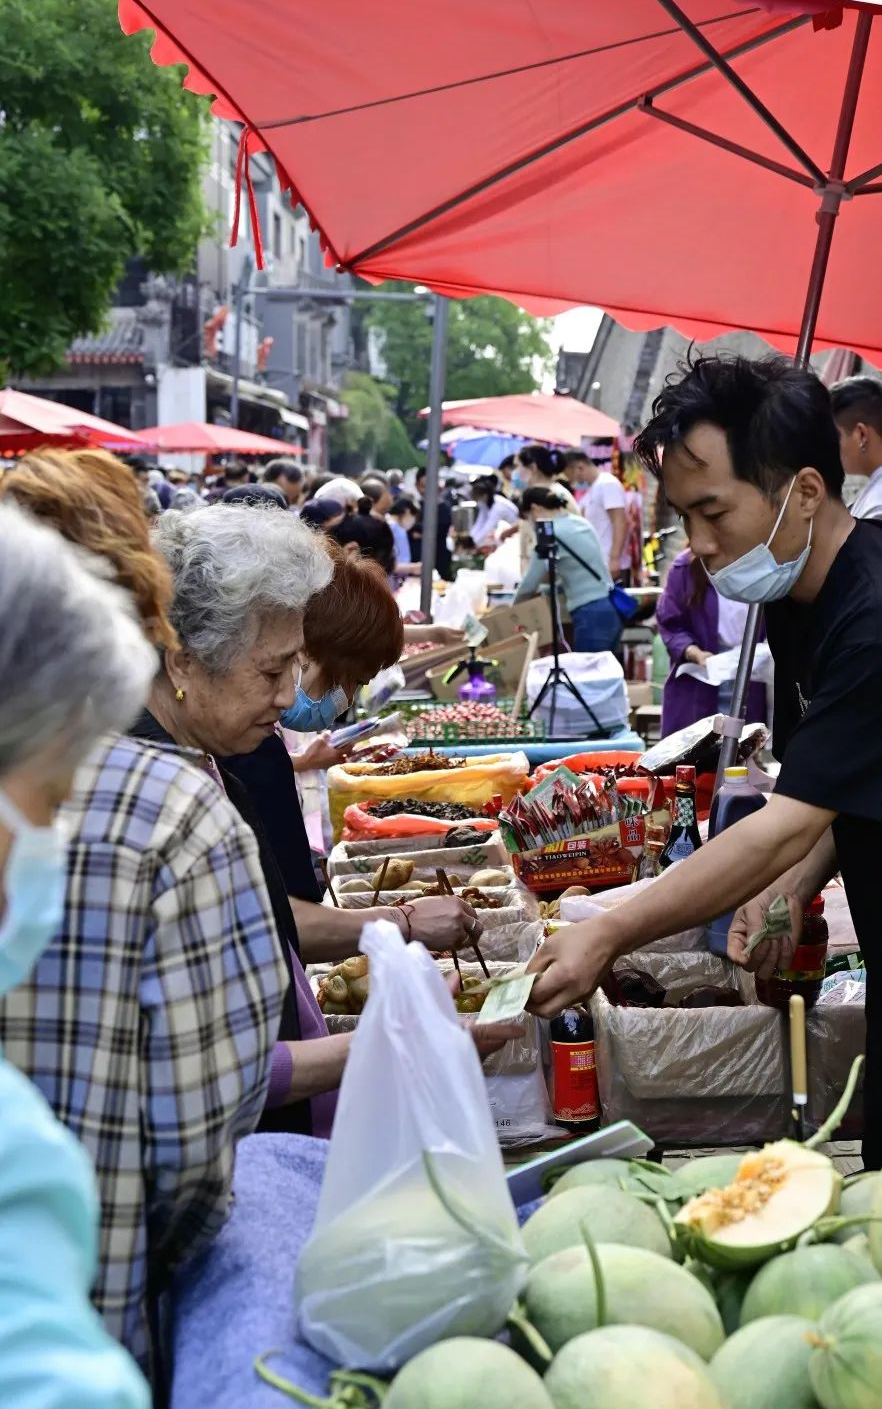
(600, 680)
(416, 1237)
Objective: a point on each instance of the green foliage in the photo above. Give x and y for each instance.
(101, 155)
(493, 349)
(371, 433)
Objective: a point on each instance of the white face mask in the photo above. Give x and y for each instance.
(34, 883)
(756, 576)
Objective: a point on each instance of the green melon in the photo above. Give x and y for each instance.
(766, 1365)
(804, 1282)
(642, 1289)
(729, 1290)
(461, 1373)
(874, 1233)
(694, 1177)
(628, 1367)
(859, 1245)
(846, 1363)
(593, 1172)
(780, 1192)
(611, 1216)
(856, 1201)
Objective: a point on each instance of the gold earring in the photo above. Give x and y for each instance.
(179, 694)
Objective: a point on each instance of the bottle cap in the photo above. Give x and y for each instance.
(685, 773)
(816, 906)
(733, 773)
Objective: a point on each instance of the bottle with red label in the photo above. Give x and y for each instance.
(805, 970)
(574, 1094)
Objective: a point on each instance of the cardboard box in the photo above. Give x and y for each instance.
(511, 655)
(533, 614)
(717, 1076)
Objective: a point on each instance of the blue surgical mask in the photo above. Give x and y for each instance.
(757, 576)
(519, 479)
(310, 716)
(34, 883)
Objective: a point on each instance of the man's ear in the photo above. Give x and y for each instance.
(811, 489)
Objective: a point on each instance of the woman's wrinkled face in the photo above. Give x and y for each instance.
(235, 712)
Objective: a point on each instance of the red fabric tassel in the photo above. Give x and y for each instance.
(243, 169)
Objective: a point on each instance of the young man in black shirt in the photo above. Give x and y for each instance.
(749, 457)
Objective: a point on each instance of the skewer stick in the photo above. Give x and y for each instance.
(380, 879)
(798, 1065)
(325, 872)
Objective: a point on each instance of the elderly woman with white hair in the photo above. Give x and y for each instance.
(242, 580)
(73, 664)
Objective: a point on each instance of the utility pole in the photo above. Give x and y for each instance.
(433, 457)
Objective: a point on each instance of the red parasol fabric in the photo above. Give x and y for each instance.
(202, 438)
(29, 422)
(556, 420)
(549, 153)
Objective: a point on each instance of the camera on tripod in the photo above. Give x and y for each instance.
(546, 540)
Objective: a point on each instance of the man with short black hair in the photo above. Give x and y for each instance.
(605, 506)
(749, 457)
(857, 410)
(287, 476)
(443, 555)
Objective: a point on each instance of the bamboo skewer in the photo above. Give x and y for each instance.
(324, 868)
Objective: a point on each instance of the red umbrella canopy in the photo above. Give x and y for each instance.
(507, 147)
(201, 438)
(557, 420)
(27, 422)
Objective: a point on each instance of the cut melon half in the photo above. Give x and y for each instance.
(778, 1194)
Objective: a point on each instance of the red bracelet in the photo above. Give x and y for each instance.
(406, 911)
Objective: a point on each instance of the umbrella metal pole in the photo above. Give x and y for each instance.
(831, 200)
(432, 488)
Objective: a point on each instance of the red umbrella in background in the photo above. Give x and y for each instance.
(29, 422)
(675, 163)
(663, 161)
(202, 438)
(556, 420)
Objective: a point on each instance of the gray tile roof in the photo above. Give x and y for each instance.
(121, 341)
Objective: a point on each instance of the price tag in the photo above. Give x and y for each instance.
(506, 999)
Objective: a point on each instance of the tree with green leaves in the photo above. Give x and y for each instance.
(493, 349)
(370, 435)
(101, 155)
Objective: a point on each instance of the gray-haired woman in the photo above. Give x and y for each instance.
(242, 578)
(73, 665)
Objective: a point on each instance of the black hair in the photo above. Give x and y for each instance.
(549, 463)
(540, 496)
(372, 535)
(402, 506)
(776, 418)
(858, 399)
(486, 484)
(507, 463)
(422, 471)
(372, 491)
(282, 468)
(318, 482)
(576, 457)
(236, 469)
(317, 512)
(264, 496)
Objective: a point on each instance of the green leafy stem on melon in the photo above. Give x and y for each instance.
(350, 1389)
(520, 1321)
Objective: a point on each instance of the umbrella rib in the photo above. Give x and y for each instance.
(720, 62)
(735, 148)
(548, 148)
(302, 119)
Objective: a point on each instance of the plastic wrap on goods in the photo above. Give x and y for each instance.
(474, 782)
(711, 1076)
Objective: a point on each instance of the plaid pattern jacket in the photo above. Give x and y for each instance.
(149, 1023)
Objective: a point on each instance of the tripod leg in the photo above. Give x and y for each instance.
(567, 682)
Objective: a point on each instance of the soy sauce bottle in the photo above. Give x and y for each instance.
(684, 837)
(575, 1098)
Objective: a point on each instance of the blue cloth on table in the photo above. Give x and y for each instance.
(236, 1300)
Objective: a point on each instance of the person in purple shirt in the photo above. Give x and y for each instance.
(695, 622)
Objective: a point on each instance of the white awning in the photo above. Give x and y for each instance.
(293, 418)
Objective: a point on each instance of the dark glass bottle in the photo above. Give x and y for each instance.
(574, 1097)
(805, 973)
(684, 837)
